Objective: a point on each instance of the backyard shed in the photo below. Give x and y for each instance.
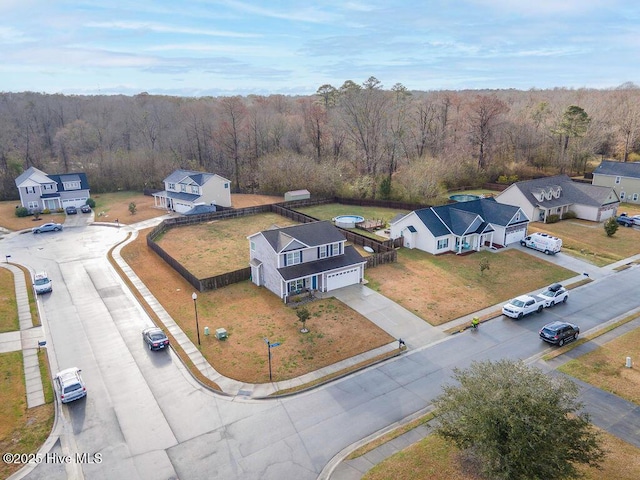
(296, 195)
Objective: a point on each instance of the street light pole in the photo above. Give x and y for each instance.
(195, 306)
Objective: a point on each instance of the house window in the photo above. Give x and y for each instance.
(30, 189)
(293, 258)
(617, 180)
(335, 249)
(635, 197)
(194, 189)
(322, 252)
(183, 187)
(517, 217)
(171, 186)
(71, 185)
(33, 205)
(622, 195)
(226, 185)
(443, 243)
(253, 246)
(296, 285)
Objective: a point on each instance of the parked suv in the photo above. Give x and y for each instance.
(42, 283)
(70, 385)
(558, 333)
(555, 293)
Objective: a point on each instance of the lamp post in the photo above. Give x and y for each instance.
(195, 306)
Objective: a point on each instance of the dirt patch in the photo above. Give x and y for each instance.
(250, 314)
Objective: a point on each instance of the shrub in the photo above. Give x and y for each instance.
(611, 226)
(91, 202)
(46, 211)
(569, 215)
(22, 212)
(552, 218)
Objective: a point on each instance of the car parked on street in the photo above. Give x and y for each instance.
(559, 333)
(155, 338)
(555, 293)
(636, 219)
(70, 385)
(71, 210)
(47, 227)
(85, 209)
(42, 283)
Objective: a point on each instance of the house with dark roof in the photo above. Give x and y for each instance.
(39, 191)
(623, 177)
(186, 189)
(304, 258)
(461, 227)
(557, 195)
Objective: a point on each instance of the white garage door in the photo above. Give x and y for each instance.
(515, 235)
(343, 278)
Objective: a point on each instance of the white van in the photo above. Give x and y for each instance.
(42, 283)
(548, 244)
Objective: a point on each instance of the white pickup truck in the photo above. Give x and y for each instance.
(523, 305)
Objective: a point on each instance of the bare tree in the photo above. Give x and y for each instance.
(484, 116)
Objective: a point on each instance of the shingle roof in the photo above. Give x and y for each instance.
(350, 257)
(70, 177)
(571, 193)
(309, 234)
(199, 178)
(618, 169)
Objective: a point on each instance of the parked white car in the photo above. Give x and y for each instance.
(42, 283)
(555, 293)
(523, 305)
(70, 385)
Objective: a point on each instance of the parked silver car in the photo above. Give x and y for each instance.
(47, 227)
(70, 385)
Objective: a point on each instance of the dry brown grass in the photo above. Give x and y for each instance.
(445, 287)
(8, 306)
(250, 314)
(434, 459)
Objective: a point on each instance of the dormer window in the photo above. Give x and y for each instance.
(617, 180)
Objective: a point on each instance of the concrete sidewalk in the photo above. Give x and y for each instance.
(26, 339)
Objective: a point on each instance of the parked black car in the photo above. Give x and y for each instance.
(71, 210)
(85, 209)
(625, 221)
(558, 333)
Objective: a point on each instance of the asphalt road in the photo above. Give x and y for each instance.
(148, 418)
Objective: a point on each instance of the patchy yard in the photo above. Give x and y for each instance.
(217, 247)
(440, 288)
(588, 240)
(250, 314)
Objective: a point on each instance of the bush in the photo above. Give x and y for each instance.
(91, 202)
(569, 215)
(46, 211)
(553, 218)
(22, 212)
(611, 226)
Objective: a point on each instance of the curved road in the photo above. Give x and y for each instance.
(148, 418)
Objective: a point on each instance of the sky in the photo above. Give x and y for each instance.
(195, 48)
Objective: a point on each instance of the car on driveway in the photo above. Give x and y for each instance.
(555, 293)
(70, 385)
(85, 209)
(625, 221)
(47, 227)
(559, 333)
(71, 210)
(155, 338)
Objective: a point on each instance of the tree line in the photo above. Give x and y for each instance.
(358, 139)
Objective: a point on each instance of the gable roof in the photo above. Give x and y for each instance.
(311, 234)
(571, 192)
(191, 176)
(38, 177)
(70, 177)
(299, 270)
(33, 176)
(618, 169)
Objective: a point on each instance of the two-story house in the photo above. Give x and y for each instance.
(39, 191)
(186, 189)
(307, 257)
(623, 177)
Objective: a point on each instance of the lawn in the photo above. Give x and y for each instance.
(588, 240)
(219, 246)
(8, 307)
(434, 459)
(441, 288)
(22, 430)
(605, 367)
(250, 314)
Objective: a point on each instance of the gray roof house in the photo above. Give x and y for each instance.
(541, 197)
(304, 258)
(186, 189)
(461, 227)
(40, 191)
(623, 177)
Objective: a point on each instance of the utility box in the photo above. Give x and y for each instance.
(296, 195)
(221, 334)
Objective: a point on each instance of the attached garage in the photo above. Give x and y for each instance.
(343, 278)
(514, 234)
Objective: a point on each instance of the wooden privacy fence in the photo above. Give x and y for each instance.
(384, 251)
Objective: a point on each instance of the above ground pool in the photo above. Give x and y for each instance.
(464, 197)
(348, 221)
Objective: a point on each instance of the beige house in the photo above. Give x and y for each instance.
(557, 195)
(623, 177)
